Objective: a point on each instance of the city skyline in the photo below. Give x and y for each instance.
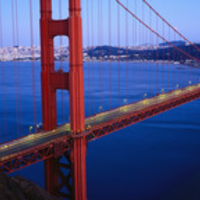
(59, 99)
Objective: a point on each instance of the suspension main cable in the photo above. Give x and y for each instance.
(171, 25)
(152, 30)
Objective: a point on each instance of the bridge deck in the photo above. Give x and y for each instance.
(96, 126)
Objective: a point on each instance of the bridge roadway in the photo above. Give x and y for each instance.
(15, 147)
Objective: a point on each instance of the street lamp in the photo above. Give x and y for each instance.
(145, 95)
(88, 127)
(30, 128)
(125, 101)
(93, 121)
(38, 126)
(100, 108)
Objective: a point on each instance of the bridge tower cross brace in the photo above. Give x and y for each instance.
(73, 82)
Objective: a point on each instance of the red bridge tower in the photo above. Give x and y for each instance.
(55, 179)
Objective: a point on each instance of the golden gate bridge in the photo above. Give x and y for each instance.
(69, 140)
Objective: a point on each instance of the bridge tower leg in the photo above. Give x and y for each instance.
(75, 164)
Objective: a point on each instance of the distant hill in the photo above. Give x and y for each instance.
(175, 43)
(168, 53)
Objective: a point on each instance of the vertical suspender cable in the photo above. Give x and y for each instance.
(1, 58)
(99, 55)
(174, 29)
(143, 50)
(33, 65)
(61, 63)
(163, 66)
(110, 69)
(92, 38)
(18, 70)
(169, 66)
(3, 75)
(150, 43)
(140, 53)
(136, 49)
(174, 71)
(133, 29)
(127, 54)
(156, 33)
(157, 57)
(88, 64)
(101, 68)
(192, 45)
(15, 69)
(19, 79)
(118, 31)
(197, 70)
(191, 65)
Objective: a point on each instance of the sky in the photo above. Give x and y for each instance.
(98, 28)
(182, 14)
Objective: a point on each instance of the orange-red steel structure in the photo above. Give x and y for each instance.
(69, 151)
(72, 81)
(52, 151)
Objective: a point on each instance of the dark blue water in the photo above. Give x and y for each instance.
(154, 159)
